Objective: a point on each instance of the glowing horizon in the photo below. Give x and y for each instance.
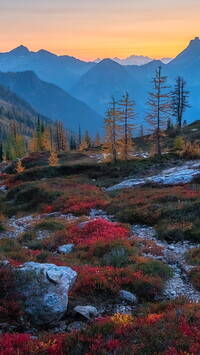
(87, 29)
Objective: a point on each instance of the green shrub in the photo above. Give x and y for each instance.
(193, 256)
(155, 268)
(29, 197)
(43, 257)
(49, 225)
(27, 237)
(194, 276)
(117, 257)
(2, 228)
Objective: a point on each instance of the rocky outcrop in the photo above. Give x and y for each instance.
(44, 288)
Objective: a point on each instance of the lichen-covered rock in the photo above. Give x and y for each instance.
(44, 288)
(66, 249)
(127, 296)
(86, 311)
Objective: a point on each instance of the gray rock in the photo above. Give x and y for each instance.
(86, 311)
(3, 188)
(128, 296)
(75, 326)
(42, 234)
(66, 249)
(45, 288)
(171, 247)
(59, 328)
(4, 262)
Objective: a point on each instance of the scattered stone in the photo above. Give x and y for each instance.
(86, 311)
(122, 309)
(45, 288)
(171, 247)
(59, 328)
(4, 262)
(75, 326)
(3, 188)
(174, 255)
(66, 249)
(42, 234)
(128, 296)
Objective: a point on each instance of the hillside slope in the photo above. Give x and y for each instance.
(13, 107)
(51, 101)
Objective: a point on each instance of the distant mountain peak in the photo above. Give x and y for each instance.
(195, 42)
(196, 39)
(20, 50)
(106, 61)
(45, 53)
(190, 54)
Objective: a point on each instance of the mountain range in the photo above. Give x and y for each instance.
(135, 60)
(74, 91)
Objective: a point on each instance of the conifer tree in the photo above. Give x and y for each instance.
(72, 143)
(127, 116)
(53, 159)
(19, 167)
(180, 100)
(111, 131)
(39, 137)
(86, 141)
(184, 123)
(61, 140)
(1, 151)
(79, 136)
(15, 144)
(141, 131)
(97, 140)
(159, 104)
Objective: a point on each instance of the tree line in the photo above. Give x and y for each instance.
(46, 138)
(162, 105)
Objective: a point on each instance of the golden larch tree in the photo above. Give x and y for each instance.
(53, 159)
(19, 167)
(111, 132)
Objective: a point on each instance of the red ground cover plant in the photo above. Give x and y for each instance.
(10, 309)
(172, 329)
(87, 234)
(48, 209)
(110, 279)
(23, 344)
(80, 198)
(174, 210)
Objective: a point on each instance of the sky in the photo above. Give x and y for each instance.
(88, 29)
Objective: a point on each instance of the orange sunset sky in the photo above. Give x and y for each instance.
(106, 28)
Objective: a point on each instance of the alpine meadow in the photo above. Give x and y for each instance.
(99, 177)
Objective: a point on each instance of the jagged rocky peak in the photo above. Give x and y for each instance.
(195, 42)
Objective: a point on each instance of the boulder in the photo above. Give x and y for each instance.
(86, 311)
(128, 296)
(66, 249)
(44, 288)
